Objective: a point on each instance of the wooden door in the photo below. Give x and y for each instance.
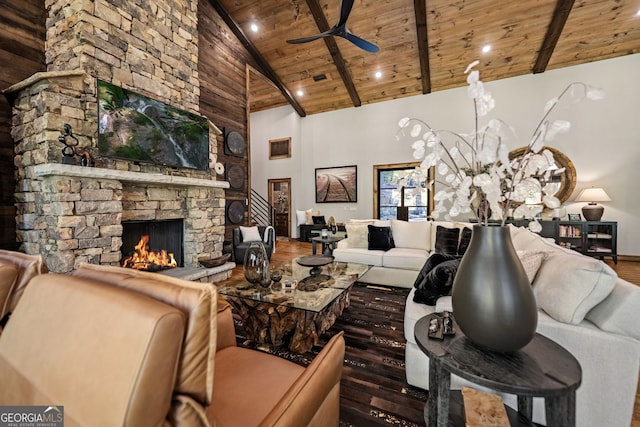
(280, 199)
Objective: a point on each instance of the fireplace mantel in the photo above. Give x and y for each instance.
(59, 169)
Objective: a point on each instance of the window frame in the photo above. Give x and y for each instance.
(390, 167)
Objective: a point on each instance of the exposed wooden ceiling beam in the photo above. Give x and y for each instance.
(261, 62)
(420, 10)
(338, 60)
(560, 16)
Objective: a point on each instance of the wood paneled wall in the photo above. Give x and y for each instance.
(222, 70)
(22, 35)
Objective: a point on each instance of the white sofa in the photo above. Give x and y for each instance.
(605, 339)
(399, 266)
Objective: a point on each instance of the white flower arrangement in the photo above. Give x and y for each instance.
(475, 169)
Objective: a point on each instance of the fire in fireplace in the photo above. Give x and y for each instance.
(144, 259)
(152, 245)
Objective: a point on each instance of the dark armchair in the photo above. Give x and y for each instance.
(240, 247)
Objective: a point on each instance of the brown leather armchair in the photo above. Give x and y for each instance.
(16, 270)
(121, 347)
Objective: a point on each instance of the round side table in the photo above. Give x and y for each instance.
(542, 368)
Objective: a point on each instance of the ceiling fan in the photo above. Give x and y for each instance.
(340, 30)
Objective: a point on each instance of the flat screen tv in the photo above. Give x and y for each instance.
(134, 127)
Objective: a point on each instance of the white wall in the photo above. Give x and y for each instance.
(604, 142)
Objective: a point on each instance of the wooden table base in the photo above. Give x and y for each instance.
(280, 325)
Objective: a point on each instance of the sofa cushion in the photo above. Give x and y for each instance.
(531, 261)
(310, 214)
(404, 258)
(380, 238)
(250, 234)
(447, 240)
(109, 354)
(465, 239)
(197, 300)
(445, 224)
(301, 217)
(567, 286)
(618, 312)
(436, 278)
(412, 313)
(412, 235)
(358, 256)
(358, 234)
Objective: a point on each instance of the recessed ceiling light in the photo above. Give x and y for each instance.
(254, 27)
(638, 12)
(486, 48)
(378, 74)
(300, 92)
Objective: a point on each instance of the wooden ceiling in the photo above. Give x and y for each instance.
(425, 45)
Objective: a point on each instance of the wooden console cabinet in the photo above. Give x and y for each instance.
(593, 238)
(282, 224)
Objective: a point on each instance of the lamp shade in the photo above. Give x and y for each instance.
(592, 211)
(593, 194)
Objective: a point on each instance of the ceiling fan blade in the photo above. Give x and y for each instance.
(361, 43)
(345, 10)
(329, 32)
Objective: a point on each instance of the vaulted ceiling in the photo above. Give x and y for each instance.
(425, 45)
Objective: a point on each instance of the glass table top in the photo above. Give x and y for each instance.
(297, 288)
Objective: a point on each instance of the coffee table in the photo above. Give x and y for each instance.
(295, 317)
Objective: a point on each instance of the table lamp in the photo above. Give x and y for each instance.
(593, 211)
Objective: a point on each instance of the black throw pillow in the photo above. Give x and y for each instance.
(434, 281)
(318, 220)
(380, 238)
(465, 238)
(447, 240)
(438, 283)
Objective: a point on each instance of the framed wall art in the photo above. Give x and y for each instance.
(279, 148)
(337, 184)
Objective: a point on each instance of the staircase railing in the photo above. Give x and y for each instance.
(260, 210)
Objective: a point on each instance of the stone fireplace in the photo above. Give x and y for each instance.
(73, 214)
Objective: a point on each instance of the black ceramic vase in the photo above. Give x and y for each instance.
(493, 302)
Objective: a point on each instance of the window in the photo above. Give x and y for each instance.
(412, 202)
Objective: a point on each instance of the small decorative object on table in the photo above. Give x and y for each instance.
(492, 299)
(315, 261)
(276, 275)
(441, 325)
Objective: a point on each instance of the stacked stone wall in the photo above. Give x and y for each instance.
(150, 47)
(146, 46)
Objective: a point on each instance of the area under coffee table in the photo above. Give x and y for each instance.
(294, 317)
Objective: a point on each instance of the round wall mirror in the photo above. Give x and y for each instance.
(566, 181)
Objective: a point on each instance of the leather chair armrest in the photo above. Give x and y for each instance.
(314, 399)
(225, 328)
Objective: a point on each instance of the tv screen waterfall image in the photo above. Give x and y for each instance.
(134, 127)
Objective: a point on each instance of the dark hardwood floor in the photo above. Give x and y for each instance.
(286, 249)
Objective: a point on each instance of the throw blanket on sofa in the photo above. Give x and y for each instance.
(436, 278)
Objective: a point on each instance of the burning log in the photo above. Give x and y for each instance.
(143, 259)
